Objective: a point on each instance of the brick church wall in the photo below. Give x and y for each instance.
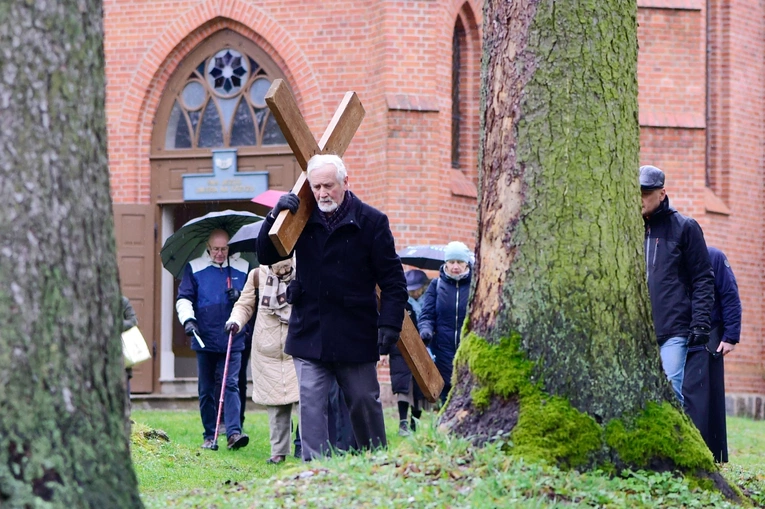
(706, 134)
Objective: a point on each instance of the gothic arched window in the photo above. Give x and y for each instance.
(222, 104)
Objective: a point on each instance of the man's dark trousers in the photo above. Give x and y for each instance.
(208, 363)
(358, 381)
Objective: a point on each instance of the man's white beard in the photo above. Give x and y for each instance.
(328, 206)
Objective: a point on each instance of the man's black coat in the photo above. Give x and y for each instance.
(334, 304)
(680, 278)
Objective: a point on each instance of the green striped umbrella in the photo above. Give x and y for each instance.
(190, 239)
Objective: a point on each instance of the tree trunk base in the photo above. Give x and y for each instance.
(462, 418)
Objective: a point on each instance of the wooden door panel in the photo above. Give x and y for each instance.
(136, 254)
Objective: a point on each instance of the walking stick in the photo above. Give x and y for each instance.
(222, 390)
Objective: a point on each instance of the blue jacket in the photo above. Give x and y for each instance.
(335, 314)
(727, 308)
(680, 277)
(202, 297)
(444, 306)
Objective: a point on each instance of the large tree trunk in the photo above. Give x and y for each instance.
(63, 439)
(558, 348)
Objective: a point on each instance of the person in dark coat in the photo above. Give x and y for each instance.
(129, 320)
(680, 278)
(704, 383)
(336, 331)
(443, 310)
(401, 380)
(210, 286)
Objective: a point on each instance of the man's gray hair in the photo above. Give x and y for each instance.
(320, 160)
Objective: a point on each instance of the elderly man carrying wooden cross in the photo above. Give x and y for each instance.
(345, 249)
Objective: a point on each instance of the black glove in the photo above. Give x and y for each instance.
(698, 336)
(191, 327)
(289, 201)
(386, 338)
(426, 336)
(232, 327)
(233, 294)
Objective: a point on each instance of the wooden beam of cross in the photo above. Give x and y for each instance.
(418, 359)
(348, 116)
(288, 227)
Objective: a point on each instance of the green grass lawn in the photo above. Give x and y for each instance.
(428, 469)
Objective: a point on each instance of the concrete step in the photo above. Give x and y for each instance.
(745, 405)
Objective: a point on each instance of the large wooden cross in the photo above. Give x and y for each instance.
(288, 227)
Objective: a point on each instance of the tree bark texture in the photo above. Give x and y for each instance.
(560, 267)
(63, 439)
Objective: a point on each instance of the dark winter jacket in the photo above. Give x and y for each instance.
(334, 305)
(400, 374)
(727, 308)
(680, 277)
(202, 297)
(129, 320)
(443, 311)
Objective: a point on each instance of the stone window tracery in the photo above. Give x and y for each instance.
(222, 104)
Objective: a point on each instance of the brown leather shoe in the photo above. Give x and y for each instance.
(238, 440)
(275, 460)
(208, 444)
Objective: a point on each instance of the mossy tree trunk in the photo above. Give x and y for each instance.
(558, 345)
(63, 438)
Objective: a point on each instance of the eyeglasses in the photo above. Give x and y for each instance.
(218, 249)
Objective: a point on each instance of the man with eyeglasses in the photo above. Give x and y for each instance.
(210, 286)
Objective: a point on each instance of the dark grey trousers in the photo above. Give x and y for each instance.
(358, 381)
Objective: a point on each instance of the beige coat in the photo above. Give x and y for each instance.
(273, 372)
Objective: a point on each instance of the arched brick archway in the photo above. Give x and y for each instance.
(135, 115)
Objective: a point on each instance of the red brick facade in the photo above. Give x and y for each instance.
(701, 118)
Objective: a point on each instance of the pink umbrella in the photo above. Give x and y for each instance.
(268, 198)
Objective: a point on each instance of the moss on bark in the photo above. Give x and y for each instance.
(659, 432)
(550, 429)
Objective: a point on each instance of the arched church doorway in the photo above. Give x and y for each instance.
(214, 146)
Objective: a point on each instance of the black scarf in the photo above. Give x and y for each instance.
(333, 219)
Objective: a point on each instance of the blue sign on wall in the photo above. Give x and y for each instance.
(225, 183)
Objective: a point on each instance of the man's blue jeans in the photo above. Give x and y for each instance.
(210, 367)
(673, 353)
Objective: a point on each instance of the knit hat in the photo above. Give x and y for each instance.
(457, 251)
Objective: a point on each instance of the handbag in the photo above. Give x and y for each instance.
(134, 348)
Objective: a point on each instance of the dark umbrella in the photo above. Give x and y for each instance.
(428, 257)
(189, 241)
(245, 238)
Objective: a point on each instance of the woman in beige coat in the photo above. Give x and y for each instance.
(273, 372)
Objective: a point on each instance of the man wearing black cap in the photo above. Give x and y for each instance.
(680, 277)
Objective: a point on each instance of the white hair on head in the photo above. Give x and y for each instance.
(320, 160)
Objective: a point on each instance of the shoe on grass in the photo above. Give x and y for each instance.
(208, 444)
(238, 440)
(403, 429)
(275, 460)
